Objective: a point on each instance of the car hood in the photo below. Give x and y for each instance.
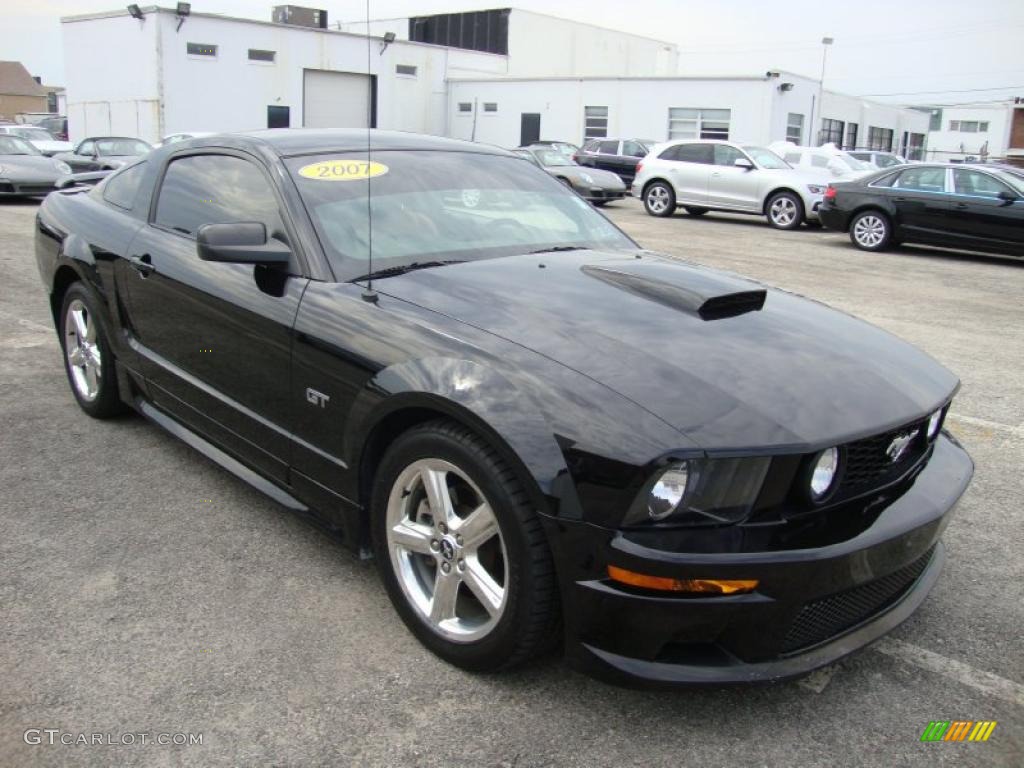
(690, 345)
(29, 168)
(604, 179)
(52, 147)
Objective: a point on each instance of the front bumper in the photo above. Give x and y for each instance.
(811, 607)
(26, 187)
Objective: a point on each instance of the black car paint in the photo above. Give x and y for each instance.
(623, 165)
(945, 219)
(586, 370)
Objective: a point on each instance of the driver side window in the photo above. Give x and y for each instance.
(216, 189)
(87, 148)
(726, 155)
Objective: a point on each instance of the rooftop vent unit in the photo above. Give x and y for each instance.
(298, 16)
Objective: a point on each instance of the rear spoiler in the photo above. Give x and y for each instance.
(90, 179)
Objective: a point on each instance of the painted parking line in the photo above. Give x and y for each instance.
(984, 682)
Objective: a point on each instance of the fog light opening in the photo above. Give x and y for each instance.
(690, 586)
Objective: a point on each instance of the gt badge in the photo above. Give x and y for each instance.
(317, 398)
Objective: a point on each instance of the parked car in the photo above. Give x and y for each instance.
(616, 155)
(878, 159)
(835, 162)
(104, 153)
(24, 170)
(597, 186)
(56, 126)
(533, 424)
(37, 137)
(978, 208)
(704, 175)
(561, 146)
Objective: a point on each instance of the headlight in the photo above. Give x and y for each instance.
(62, 167)
(701, 491)
(816, 189)
(587, 178)
(934, 422)
(824, 473)
(1, 170)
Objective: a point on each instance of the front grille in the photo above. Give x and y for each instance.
(867, 463)
(34, 189)
(823, 619)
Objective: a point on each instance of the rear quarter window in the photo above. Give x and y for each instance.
(121, 188)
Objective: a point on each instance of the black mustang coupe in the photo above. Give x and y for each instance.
(537, 428)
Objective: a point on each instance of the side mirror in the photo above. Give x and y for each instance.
(1008, 196)
(742, 162)
(243, 242)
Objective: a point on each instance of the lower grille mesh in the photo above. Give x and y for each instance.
(827, 617)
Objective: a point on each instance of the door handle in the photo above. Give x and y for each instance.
(717, 173)
(962, 206)
(142, 264)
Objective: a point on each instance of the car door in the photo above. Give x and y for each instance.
(921, 201)
(631, 153)
(689, 170)
(730, 186)
(979, 216)
(84, 157)
(607, 158)
(216, 337)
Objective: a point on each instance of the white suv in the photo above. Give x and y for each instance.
(705, 175)
(827, 159)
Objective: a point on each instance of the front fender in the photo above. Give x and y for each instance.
(482, 398)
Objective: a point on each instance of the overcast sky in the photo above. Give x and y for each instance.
(910, 51)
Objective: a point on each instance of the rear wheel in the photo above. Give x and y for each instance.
(695, 211)
(88, 360)
(871, 231)
(785, 210)
(461, 552)
(660, 199)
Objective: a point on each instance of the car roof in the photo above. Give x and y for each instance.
(287, 142)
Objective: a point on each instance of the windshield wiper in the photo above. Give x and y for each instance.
(557, 248)
(403, 268)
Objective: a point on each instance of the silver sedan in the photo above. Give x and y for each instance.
(597, 186)
(25, 171)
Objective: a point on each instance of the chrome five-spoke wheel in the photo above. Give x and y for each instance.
(783, 212)
(447, 550)
(81, 346)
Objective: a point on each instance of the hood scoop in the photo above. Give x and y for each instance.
(709, 297)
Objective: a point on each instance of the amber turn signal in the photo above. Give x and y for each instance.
(693, 586)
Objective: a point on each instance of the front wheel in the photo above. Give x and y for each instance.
(660, 199)
(871, 231)
(785, 210)
(462, 554)
(88, 360)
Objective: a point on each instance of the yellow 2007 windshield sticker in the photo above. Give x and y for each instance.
(343, 170)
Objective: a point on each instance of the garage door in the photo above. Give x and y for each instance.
(335, 99)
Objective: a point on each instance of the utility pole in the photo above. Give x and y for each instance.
(825, 43)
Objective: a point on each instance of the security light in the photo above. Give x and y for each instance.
(786, 87)
(389, 38)
(135, 12)
(184, 9)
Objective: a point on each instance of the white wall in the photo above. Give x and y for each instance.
(945, 144)
(636, 108)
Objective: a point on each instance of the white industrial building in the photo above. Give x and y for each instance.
(499, 76)
(978, 132)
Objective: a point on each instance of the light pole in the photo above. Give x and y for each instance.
(825, 43)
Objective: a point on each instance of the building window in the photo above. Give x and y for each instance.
(255, 54)
(851, 136)
(490, 106)
(831, 131)
(915, 147)
(968, 126)
(880, 139)
(595, 122)
(795, 128)
(201, 49)
(935, 120)
(687, 123)
(279, 117)
(405, 69)
(465, 107)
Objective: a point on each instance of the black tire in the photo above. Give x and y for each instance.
(871, 231)
(527, 623)
(785, 210)
(695, 211)
(599, 203)
(659, 199)
(106, 402)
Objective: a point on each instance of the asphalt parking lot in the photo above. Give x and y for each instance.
(145, 590)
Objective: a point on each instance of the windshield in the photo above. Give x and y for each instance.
(766, 158)
(552, 157)
(1014, 179)
(441, 206)
(853, 163)
(32, 134)
(122, 147)
(12, 145)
